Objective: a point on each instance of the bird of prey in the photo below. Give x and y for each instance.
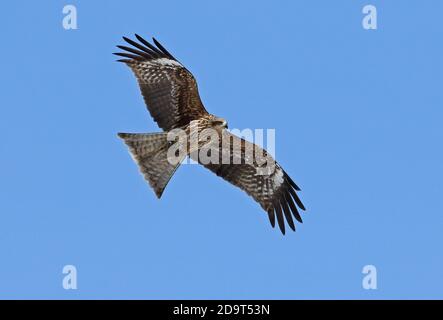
(171, 95)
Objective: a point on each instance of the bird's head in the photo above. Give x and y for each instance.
(219, 122)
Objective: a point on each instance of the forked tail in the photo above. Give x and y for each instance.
(150, 152)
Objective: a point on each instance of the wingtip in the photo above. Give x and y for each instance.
(139, 38)
(123, 60)
(157, 43)
(271, 216)
(126, 39)
(279, 214)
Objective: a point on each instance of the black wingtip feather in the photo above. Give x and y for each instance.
(150, 46)
(291, 182)
(128, 55)
(271, 216)
(143, 50)
(151, 53)
(158, 44)
(287, 213)
(296, 199)
(294, 210)
(280, 219)
(135, 51)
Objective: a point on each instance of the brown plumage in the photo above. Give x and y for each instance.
(171, 95)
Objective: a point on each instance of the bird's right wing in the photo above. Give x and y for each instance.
(168, 88)
(275, 191)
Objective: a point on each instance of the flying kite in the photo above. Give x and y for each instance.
(171, 95)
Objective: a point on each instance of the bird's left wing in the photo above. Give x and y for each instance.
(168, 88)
(275, 192)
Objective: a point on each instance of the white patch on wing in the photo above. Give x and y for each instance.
(166, 62)
(278, 177)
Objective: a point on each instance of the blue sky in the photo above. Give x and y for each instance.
(358, 119)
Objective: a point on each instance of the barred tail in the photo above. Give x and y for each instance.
(150, 152)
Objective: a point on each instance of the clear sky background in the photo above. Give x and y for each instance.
(358, 117)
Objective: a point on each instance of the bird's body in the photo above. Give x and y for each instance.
(171, 95)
